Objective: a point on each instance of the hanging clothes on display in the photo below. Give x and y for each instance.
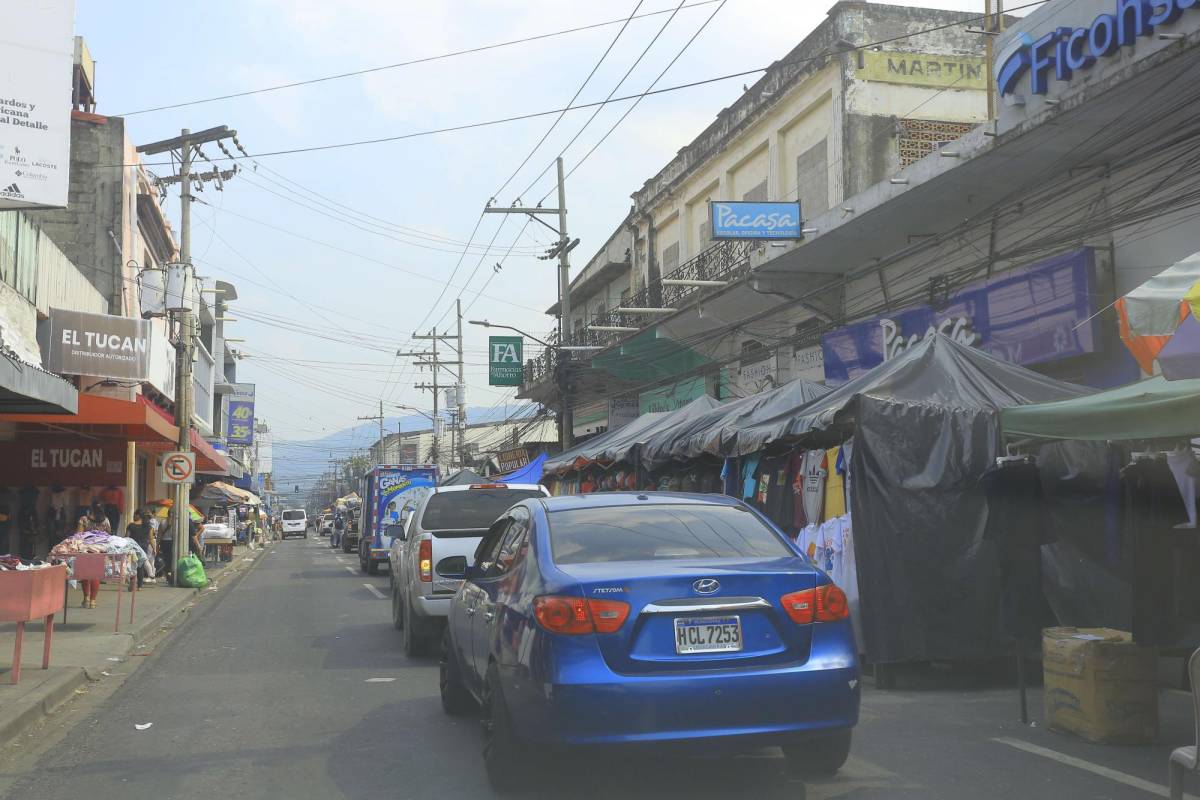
(816, 470)
(796, 479)
(835, 495)
(729, 477)
(1016, 525)
(774, 494)
(749, 476)
(1182, 463)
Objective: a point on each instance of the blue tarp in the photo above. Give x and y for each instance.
(530, 473)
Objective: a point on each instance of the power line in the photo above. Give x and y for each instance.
(423, 60)
(550, 112)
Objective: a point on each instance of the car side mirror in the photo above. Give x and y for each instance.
(396, 532)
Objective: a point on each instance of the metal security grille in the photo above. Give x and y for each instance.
(920, 137)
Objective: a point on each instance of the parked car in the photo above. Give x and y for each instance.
(349, 538)
(325, 526)
(649, 618)
(442, 532)
(295, 523)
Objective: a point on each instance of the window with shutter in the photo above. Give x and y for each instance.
(670, 259)
(758, 194)
(812, 180)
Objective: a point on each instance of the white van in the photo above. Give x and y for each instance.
(295, 523)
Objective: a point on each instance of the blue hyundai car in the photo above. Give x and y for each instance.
(645, 619)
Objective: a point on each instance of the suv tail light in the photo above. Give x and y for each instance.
(825, 603)
(577, 615)
(425, 560)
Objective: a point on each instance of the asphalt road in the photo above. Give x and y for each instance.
(273, 691)
(292, 684)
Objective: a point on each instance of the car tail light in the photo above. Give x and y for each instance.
(825, 603)
(577, 615)
(425, 560)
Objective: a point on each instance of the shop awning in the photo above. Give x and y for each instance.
(1155, 408)
(208, 458)
(26, 389)
(136, 420)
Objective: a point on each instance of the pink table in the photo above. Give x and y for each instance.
(26, 595)
(91, 566)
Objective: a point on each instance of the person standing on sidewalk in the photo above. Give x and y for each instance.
(166, 548)
(139, 531)
(93, 520)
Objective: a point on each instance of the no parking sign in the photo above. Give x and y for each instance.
(179, 467)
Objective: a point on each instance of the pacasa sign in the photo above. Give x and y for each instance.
(1064, 51)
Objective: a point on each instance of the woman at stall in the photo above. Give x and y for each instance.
(93, 520)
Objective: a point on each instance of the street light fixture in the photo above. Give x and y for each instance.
(586, 348)
(424, 414)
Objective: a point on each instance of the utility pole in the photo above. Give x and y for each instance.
(429, 358)
(562, 249)
(460, 393)
(185, 339)
(379, 417)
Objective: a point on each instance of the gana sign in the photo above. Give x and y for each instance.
(1027, 316)
(102, 345)
(752, 220)
(1064, 50)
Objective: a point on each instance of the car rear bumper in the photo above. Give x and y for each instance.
(431, 606)
(584, 702)
(380, 555)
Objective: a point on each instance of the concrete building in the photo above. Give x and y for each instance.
(825, 122)
(485, 441)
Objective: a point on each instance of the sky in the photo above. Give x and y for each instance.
(340, 255)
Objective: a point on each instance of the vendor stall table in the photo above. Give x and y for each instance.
(121, 568)
(26, 595)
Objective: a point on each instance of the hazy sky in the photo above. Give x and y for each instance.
(325, 298)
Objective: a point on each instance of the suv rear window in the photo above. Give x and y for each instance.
(293, 515)
(662, 532)
(468, 512)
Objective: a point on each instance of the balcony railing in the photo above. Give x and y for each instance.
(724, 261)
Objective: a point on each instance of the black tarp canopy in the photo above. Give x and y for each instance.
(925, 428)
(463, 477)
(617, 445)
(715, 432)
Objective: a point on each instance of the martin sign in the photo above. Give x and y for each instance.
(505, 361)
(1062, 51)
(100, 345)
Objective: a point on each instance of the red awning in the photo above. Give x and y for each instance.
(136, 420)
(208, 458)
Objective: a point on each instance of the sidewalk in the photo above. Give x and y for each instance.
(86, 648)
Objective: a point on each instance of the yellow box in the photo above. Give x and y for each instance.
(1099, 685)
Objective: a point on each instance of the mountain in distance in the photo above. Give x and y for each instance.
(304, 461)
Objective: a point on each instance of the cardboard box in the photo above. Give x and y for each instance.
(1099, 685)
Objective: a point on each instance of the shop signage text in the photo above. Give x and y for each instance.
(505, 360)
(1027, 316)
(514, 459)
(920, 69)
(45, 461)
(672, 397)
(102, 345)
(241, 422)
(753, 220)
(895, 343)
(1065, 50)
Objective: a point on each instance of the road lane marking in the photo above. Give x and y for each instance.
(374, 591)
(1095, 769)
(350, 570)
(379, 680)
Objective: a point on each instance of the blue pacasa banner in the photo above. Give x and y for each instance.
(735, 219)
(241, 422)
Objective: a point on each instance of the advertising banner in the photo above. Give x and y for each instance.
(103, 345)
(400, 487)
(241, 422)
(737, 219)
(514, 459)
(1027, 316)
(669, 398)
(922, 69)
(505, 361)
(36, 56)
(62, 461)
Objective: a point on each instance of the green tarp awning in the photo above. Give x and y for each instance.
(1149, 409)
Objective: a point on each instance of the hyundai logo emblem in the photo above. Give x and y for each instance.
(706, 585)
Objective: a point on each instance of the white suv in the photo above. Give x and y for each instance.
(295, 522)
(429, 558)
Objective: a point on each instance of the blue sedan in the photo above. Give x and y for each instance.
(655, 618)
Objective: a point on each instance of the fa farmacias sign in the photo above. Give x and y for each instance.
(505, 361)
(1065, 50)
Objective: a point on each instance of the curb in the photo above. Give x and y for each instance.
(63, 688)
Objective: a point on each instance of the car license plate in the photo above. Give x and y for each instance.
(708, 634)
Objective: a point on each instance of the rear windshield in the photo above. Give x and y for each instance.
(468, 512)
(293, 515)
(656, 533)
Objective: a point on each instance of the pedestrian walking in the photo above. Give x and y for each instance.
(93, 520)
(139, 531)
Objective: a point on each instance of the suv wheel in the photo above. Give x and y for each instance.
(456, 700)
(397, 614)
(505, 756)
(818, 757)
(414, 643)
